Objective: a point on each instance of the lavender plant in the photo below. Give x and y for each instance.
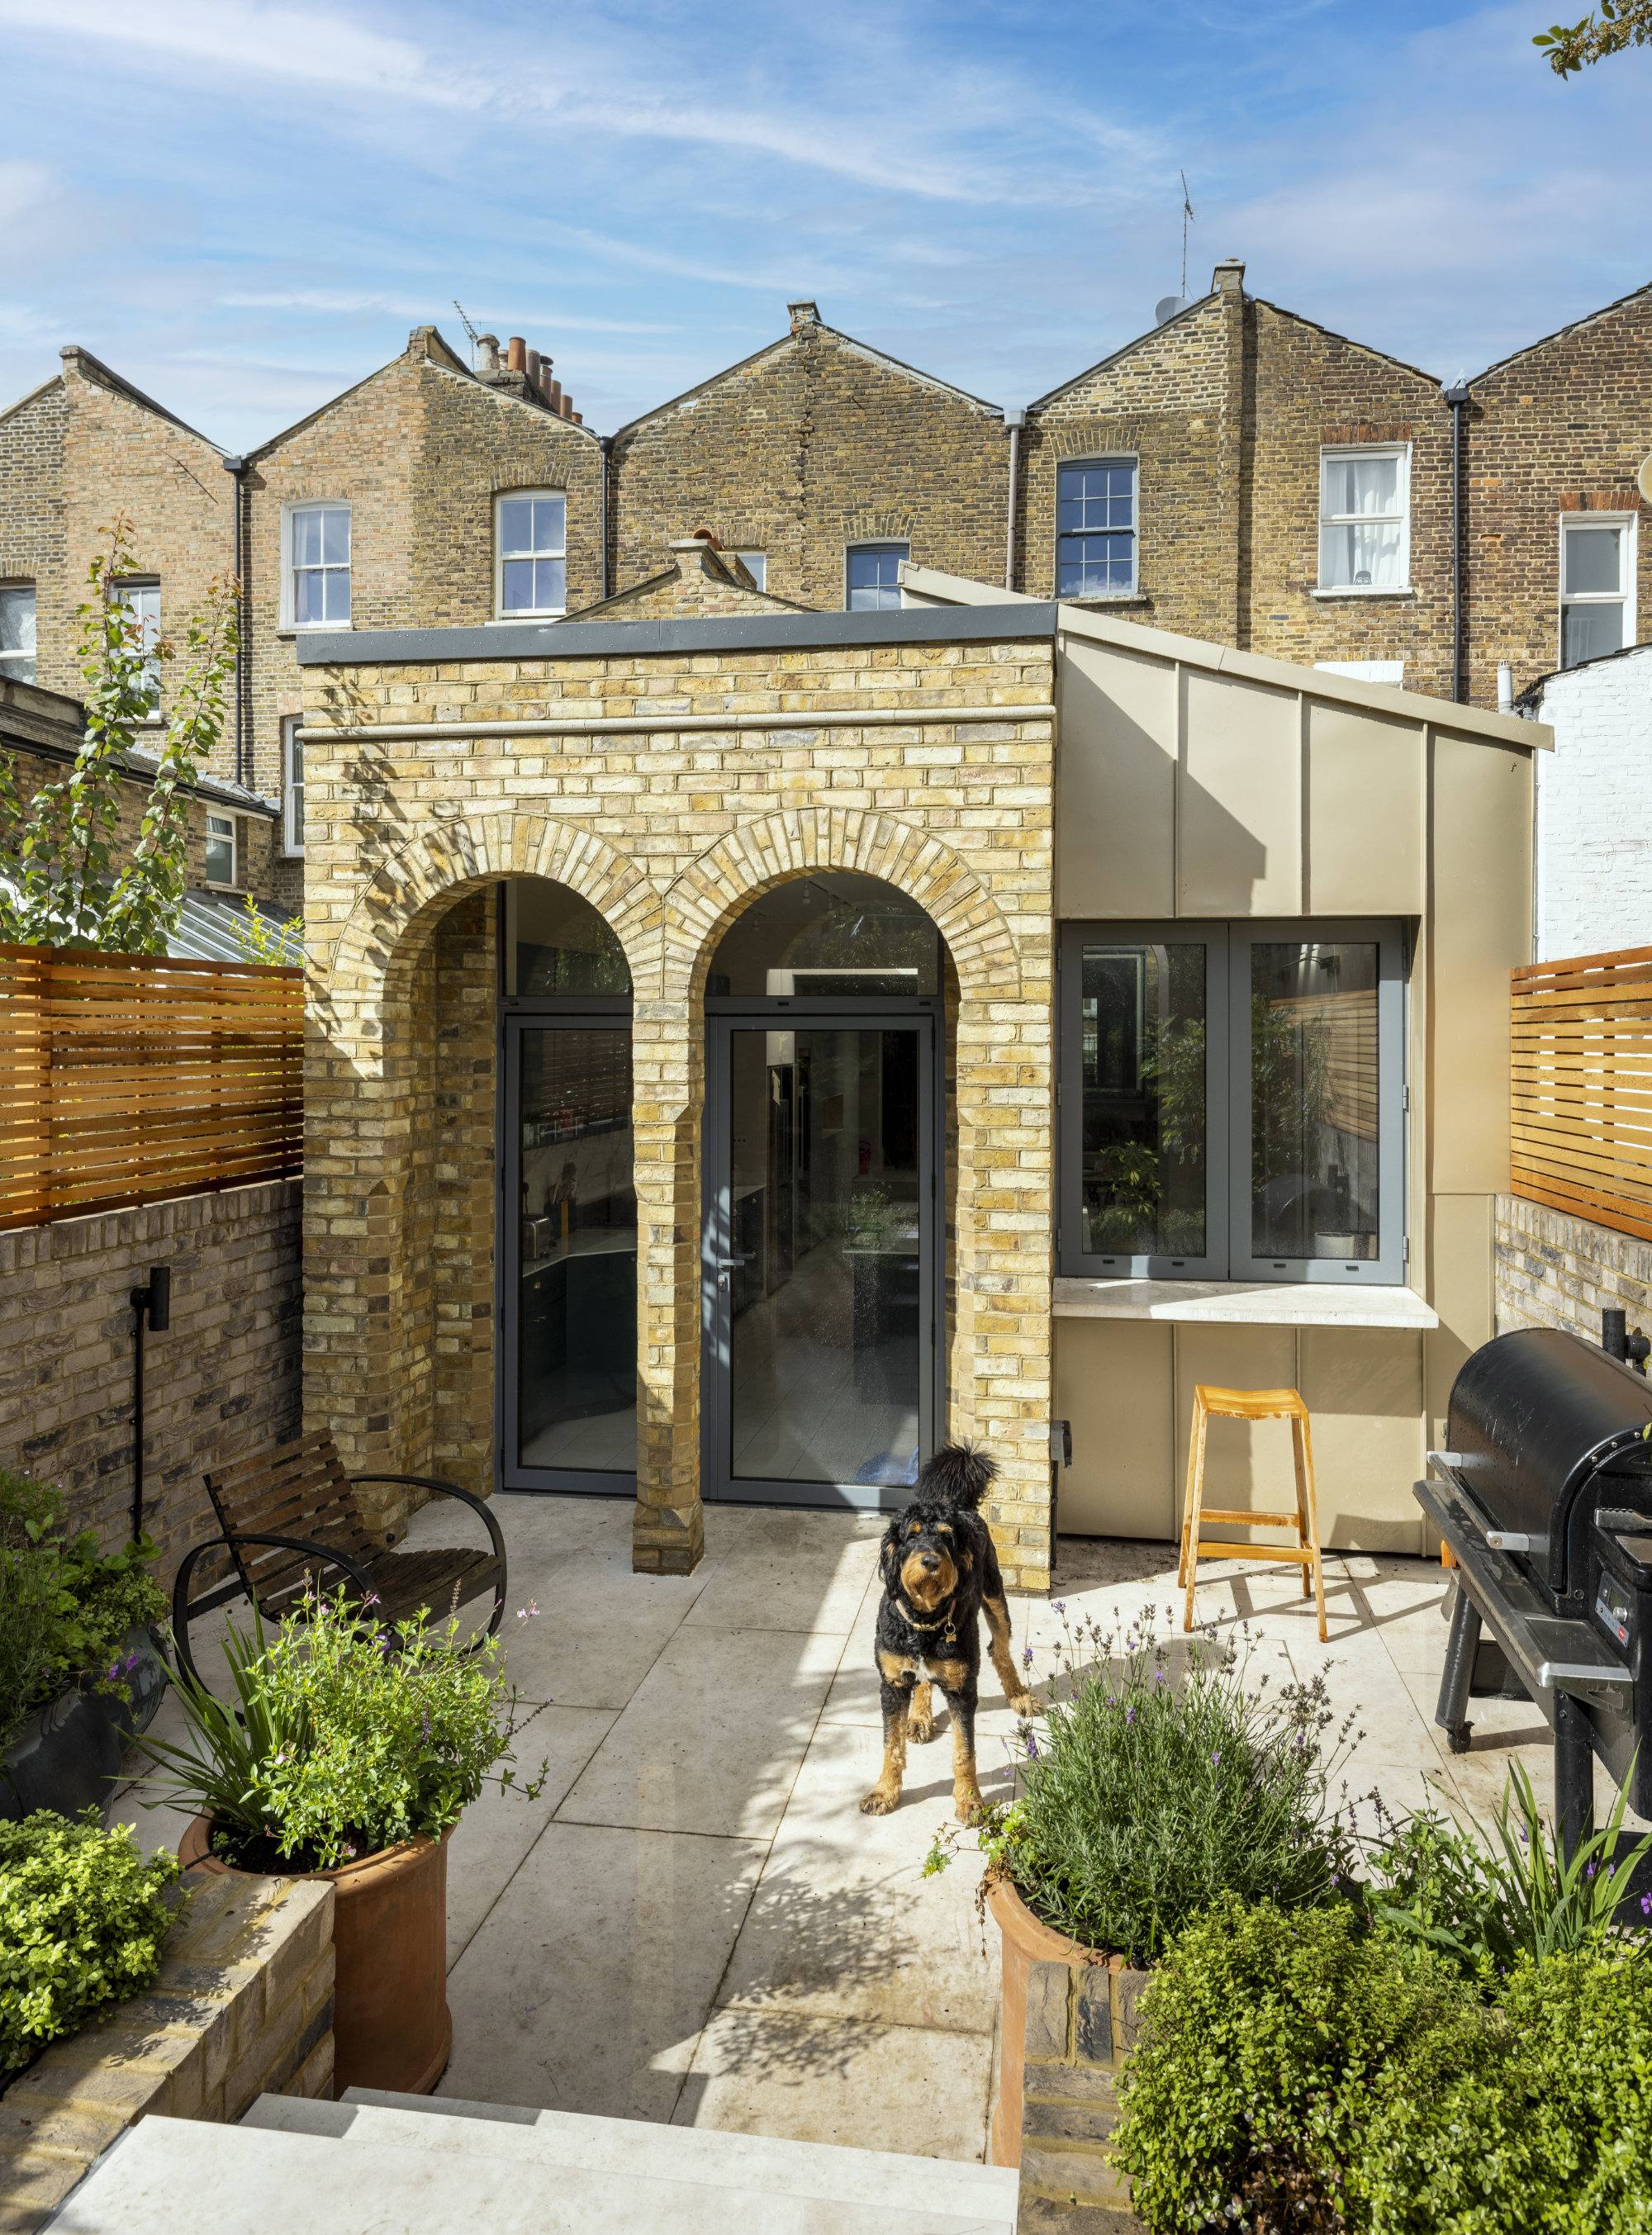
(1147, 1789)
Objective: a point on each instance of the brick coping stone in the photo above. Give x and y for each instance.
(242, 2007)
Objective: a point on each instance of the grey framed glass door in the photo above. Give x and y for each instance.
(568, 1257)
(820, 1258)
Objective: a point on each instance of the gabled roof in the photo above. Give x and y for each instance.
(790, 341)
(1560, 332)
(106, 376)
(1201, 303)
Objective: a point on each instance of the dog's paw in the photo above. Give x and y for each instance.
(1020, 1703)
(920, 1734)
(966, 1806)
(879, 1803)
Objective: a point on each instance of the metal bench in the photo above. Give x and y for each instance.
(292, 1525)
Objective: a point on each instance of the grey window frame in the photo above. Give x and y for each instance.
(1228, 1207)
(1132, 459)
(1072, 1257)
(903, 547)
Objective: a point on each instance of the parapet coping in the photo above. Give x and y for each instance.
(1244, 1303)
(577, 639)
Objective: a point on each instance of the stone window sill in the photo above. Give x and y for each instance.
(1359, 590)
(1108, 604)
(1244, 1303)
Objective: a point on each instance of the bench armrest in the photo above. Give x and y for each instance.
(484, 1512)
(180, 1608)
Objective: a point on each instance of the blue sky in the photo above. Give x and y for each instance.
(244, 207)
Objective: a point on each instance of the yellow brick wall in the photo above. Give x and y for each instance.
(670, 834)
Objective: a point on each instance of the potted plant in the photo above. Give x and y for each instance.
(80, 1674)
(1144, 1792)
(350, 1754)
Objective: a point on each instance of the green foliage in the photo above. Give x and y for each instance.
(1150, 1793)
(1290, 1087)
(1619, 25)
(1409, 2106)
(268, 939)
(346, 1737)
(82, 1923)
(65, 1608)
(1486, 1907)
(62, 888)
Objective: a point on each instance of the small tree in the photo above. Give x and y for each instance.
(1619, 25)
(62, 887)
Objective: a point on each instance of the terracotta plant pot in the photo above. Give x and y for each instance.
(391, 2028)
(1027, 1940)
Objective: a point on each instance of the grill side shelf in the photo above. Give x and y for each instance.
(1552, 1653)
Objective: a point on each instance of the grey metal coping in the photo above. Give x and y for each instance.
(575, 640)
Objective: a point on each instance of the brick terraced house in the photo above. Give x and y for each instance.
(1239, 474)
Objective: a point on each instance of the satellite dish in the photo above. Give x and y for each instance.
(1643, 479)
(1168, 306)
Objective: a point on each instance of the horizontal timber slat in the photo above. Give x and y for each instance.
(127, 1079)
(1581, 1081)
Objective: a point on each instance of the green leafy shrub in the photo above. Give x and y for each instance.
(349, 1737)
(81, 1924)
(1365, 2076)
(1486, 1907)
(1148, 1793)
(65, 1608)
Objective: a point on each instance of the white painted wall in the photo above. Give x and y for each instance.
(1594, 849)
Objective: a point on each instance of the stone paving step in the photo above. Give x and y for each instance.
(871, 2182)
(188, 2177)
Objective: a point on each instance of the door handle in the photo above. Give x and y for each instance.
(727, 1264)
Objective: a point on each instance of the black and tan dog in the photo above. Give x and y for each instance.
(939, 1577)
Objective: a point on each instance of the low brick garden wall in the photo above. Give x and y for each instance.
(224, 1380)
(1081, 2023)
(1554, 1270)
(242, 2008)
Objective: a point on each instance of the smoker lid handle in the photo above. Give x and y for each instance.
(1500, 1540)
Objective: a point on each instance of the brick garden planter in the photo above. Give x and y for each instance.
(391, 2027)
(1069, 2020)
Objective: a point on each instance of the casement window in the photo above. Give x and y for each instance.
(872, 577)
(316, 576)
(756, 564)
(220, 865)
(17, 631)
(143, 601)
(1597, 586)
(1365, 519)
(1231, 1101)
(530, 542)
(1095, 549)
(292, 786)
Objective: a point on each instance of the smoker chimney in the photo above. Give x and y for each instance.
(516, 360)
(803, 314)
(487, 351)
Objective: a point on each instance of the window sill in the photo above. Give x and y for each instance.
(1359, 590)
(525, 620)
(1106, 605)
(314, 628)
(1244, 1303)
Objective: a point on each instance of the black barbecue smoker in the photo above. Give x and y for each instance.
(1545, 1500)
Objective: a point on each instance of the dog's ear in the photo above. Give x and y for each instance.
(888, 1552)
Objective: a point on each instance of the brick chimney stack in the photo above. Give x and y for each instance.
(803, 316)
(1229, 277)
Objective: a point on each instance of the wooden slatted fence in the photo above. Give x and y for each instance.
(1580, 1122)
(125, 1079)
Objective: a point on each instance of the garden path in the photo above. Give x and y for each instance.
(694, 1924)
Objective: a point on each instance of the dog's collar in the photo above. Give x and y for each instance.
(949, 1617)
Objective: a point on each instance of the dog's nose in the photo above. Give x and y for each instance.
(931, 1561)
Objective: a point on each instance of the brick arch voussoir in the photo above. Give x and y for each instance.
(372, 959)
(742, 863)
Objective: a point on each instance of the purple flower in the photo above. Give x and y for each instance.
(1215, 1758)
(1031, 1747)
(1026, 1658)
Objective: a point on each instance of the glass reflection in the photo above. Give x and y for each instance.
(577, 1315)
(1142, 1028)
(1314, 1099)
(836, 933)
(557, 943)
(824, 1295)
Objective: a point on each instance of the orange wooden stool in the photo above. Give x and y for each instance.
(1252, 1404)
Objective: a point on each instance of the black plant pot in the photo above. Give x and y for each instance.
(67, 1754)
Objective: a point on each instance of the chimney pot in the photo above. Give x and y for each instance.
(803, 313)
(487, 351)
(532, 366)
(554, 394)
(517, 359)
(565, 407)
(579, 418)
